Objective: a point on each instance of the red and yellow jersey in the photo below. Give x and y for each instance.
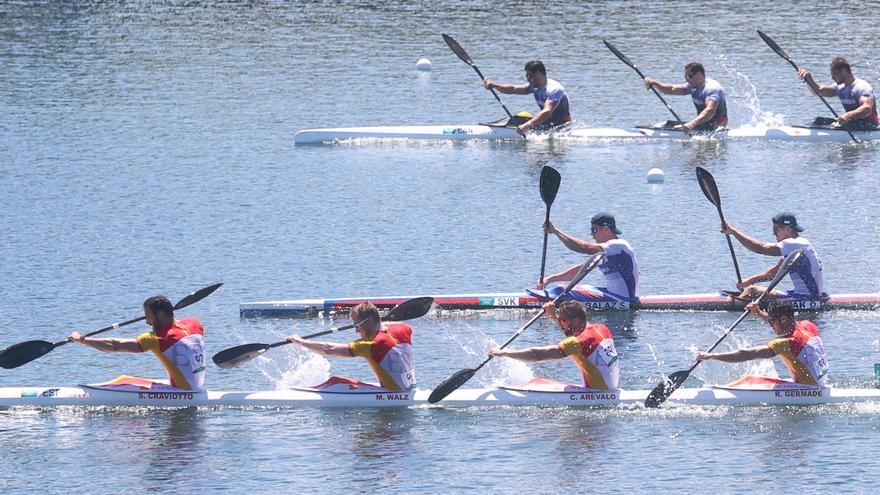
(593, 352)
(803, 354)
(181, 349)
(390, 355)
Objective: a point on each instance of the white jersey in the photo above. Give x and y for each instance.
(620, 268)
(806, 275)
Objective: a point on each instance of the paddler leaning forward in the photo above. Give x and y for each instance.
(589, 345)
(707, 95)
(856, 96)
(619, 265)
(179, 344)
(386, 346)
(549, 95)
(798, 345)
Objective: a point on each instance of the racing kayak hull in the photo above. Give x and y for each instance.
(716, 301)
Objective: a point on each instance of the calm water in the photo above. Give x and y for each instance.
(148, 148)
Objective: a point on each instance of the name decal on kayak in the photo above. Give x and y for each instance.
(506, 301)
(593, 396)
(455, 130)
(403, 396)
(607, 305)
(165, 395)
(799, 393)
(806, 304)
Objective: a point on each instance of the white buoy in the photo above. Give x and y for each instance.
(423, 64)
(655, 176)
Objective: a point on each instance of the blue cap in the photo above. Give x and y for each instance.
(788, 220)
(605, 220)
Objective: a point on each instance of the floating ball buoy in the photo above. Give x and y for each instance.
(655, 176)
(423, 64)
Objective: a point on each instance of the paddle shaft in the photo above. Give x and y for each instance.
(813, 85)
(463, 55)
(544, 251)
(730, 246)
(633, 66)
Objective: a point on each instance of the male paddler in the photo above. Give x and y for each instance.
(856, 96)
(619, 265)
(549, 95)
(806, 275)
(589, 345)
(179, 344)
(799, 345)
(706, 93)
(386, 346)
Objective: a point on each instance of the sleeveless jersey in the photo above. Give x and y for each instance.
(593, 352)
(181, 349)
(554, 92)
(390, 356)
(850, 96)
(803, 354)
(620, 268)
(806, 275)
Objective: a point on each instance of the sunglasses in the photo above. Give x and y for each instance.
(688, 77)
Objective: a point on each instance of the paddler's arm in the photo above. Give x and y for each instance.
(563, 276)
(530, 353)
(666, 88)
(323, 348)
(866, 106)
(767, 274)
(738, 356)
(704, 116)
(824, 89)
(508, 89)
(540, 117)
(106, 345)
(572, 243)
(750, 243)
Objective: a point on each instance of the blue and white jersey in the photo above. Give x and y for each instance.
(851, 95)
(806, 275)
(554, 92)
(620, 268)
(711, 90)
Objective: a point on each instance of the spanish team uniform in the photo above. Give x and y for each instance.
(554, 92)
(711, 90)
(181, 349)
(803, 354)
(806, 275)
(390, 356)
(593, 352)
(849, 98)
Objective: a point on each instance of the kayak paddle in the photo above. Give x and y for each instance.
(459, 378)
(623, 58)
(779, 51)
(455, 47)
(710, 189)
(235, 356)
(671, 383)
(25, 352)
(549, 186)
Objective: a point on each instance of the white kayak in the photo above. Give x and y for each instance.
(493, 132)
(349, 393)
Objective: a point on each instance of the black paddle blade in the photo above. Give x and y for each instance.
(411, 309)
(451, 385)
(234, 356)
(623, 58)
(550, 180)
(196, 296)
(707, 184)
(457, 49)
(665, 388)
(773, 46)
(24, 352)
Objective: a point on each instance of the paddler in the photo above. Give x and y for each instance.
(707, 95)
(549, 95)
(856, 96)
(619, 265)
(799, 345)
(589, 345)
(386, 346)
(806, 275)
(179, 344)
